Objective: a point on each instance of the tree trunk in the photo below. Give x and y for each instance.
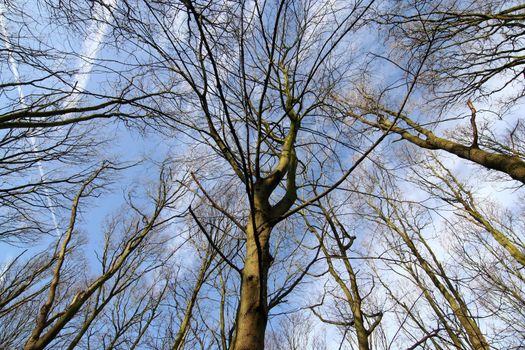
(253, 308)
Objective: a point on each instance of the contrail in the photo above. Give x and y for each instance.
(16, 76)
(90, 49)
(89, 52)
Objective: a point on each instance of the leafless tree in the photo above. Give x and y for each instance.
(256, 79)
(295, 331)
(280, 111)
(476, 46)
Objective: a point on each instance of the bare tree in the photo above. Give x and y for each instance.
(409, 242)
(273, 118)
(55, 287)
(466, 56)
(295, 331)
(336, 243)
(487, 245)
(476, 49)
(254, 77)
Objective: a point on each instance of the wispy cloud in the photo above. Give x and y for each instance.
(90, 49)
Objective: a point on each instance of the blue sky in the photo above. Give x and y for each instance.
(127, 145)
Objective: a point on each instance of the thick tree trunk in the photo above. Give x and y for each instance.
(252, 314)
(511, 165)
(253, 308)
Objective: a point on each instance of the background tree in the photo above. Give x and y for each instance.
(349, 311)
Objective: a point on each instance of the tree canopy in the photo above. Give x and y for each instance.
(240, 175)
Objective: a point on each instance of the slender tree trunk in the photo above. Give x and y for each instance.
(185, 323)
(457, 304)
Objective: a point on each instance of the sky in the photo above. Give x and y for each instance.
(134, 146)
(126, 146)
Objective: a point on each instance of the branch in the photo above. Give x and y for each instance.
(473, 123)
(214, 246)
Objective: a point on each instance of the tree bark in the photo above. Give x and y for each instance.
(512, 165)
(253, 308)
